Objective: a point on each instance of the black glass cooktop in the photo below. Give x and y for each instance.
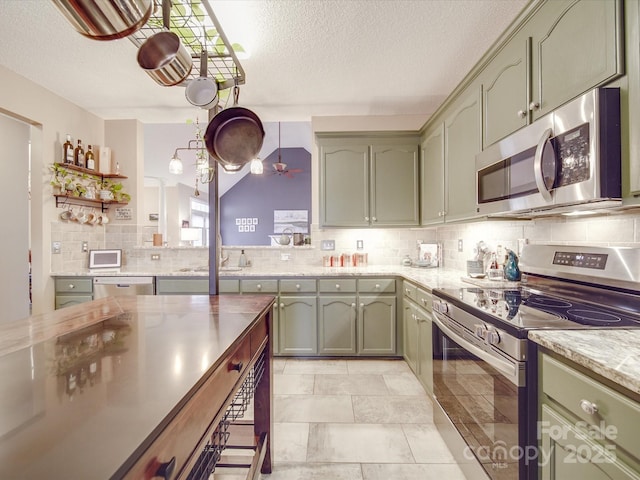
(525, 309)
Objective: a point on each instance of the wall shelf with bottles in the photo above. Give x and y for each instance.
(74, 185)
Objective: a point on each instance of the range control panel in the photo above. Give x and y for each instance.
(595, 261)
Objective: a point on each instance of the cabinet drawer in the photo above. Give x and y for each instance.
(424, 299)
(409, 290)
(293, 286)
(74, 285)
(229, 286)
(68, 300)
(337, 285)
(618, 414)
(182, 286)
(259, 286)
(377, 285)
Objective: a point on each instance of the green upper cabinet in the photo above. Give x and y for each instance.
(394, 185)
(432, 176)
(505, 90)
(565, 49)
(461, 145)
(344, 185)
(369, 181)
(449, 149)
(577, 45)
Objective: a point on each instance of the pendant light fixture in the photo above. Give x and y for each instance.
(175, 165)
(256, 166)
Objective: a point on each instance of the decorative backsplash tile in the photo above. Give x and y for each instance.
(383, 246)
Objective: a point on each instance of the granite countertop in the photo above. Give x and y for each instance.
(612, 353)
(84, 388)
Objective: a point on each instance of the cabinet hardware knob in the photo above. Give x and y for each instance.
(259, 287)
(522, 113)
(353, 305)
(235, 366)
(71, 286)
(534, 106)
(588, 407)
(362, 305)
(297, 286)
(282, 305)
(337, 286)
(375, 219)
(407, 290)
(366, 219)
(377, 286)
(165, 470)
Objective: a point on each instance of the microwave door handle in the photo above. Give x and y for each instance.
(537, 165)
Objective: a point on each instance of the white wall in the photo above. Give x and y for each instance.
(52, 117)
(14, 195)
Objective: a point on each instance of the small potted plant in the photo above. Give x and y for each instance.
(113, 191)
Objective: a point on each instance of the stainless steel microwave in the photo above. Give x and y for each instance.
(566, 160)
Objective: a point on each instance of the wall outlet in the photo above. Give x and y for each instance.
(359, 244)
(285, 257)
(85, 247)
(460, 245)
(155, 256)
(56, 248)
(328, 245)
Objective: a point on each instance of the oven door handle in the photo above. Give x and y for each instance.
(509, 369)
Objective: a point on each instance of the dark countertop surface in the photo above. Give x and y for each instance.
(82, 388)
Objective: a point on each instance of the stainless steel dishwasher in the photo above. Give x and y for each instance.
(116, 286)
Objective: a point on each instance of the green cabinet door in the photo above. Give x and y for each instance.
(505, 90)
(297, 325)
(462, 144)
(410, 332)
(577, 46)
(344, 185)
(432, 176)
(394, 185)
(377, 325)
(337, 325)
(568, 451)
(425, 349)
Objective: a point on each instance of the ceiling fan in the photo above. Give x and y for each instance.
(281, 168)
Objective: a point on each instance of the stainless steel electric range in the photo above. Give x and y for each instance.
(485, 372)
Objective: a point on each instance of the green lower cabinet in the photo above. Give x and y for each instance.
(73, 291)
(337, 325)
(297, 325)
(587, 430)
(425, 349)
(410, 335)
(275, 321)
(376, 325)
(569, 452)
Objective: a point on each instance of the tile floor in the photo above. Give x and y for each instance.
(354, 420)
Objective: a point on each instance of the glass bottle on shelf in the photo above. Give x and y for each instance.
(67, 150)
(90, 162)
(78, 155)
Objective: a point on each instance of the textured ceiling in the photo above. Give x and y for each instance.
(308, 57)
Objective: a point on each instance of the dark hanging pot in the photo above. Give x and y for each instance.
(234, 136)
(106, 20)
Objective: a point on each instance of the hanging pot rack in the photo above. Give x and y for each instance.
(198, 28)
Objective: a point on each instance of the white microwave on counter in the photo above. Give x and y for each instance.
(568, 159)
(111, 259)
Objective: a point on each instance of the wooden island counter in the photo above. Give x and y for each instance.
(137, 387)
